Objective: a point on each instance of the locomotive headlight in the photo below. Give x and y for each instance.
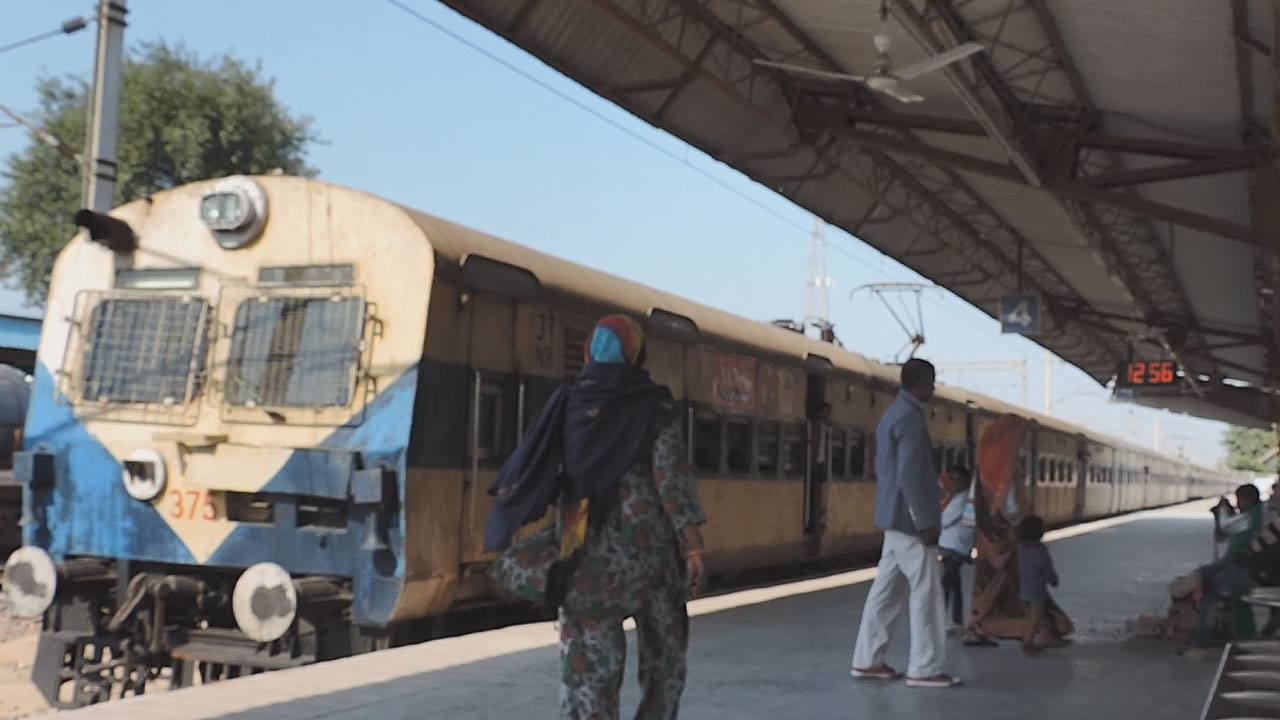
(235, 210)
(143, 475)
(264, 602)
(30, 581)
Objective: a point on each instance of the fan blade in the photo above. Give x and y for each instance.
(937, 62)
(902, 94)
(811, 72)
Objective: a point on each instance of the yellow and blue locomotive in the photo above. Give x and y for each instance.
(266, 412)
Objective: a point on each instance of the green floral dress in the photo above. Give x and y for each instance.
(631, 566)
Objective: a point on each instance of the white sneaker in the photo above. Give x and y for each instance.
(941, 680)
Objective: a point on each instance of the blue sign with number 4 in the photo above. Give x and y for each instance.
(1020, 314)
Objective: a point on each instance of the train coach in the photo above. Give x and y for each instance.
(267, 410)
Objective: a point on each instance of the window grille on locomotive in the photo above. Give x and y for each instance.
(145, 351)
(295, 351)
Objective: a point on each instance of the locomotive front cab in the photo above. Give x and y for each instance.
(214, 459)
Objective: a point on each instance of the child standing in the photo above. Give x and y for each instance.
(956, 540)
(1035, 574)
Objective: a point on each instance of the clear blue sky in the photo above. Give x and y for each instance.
(411, 114)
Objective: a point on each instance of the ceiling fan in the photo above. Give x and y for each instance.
(885, 78)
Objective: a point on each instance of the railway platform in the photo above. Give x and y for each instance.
(783, 652)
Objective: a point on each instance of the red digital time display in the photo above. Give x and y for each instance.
(1148, 373)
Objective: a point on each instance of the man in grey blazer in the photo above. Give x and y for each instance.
(908, 509)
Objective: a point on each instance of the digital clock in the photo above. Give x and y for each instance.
(1147, 373)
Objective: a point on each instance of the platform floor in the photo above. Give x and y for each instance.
(784, 652)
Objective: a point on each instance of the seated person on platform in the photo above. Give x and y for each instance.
(1232, 576)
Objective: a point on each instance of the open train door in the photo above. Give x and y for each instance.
(1031, 464)
(818, 454)
(1081, 475)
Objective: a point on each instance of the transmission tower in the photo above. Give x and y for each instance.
(817, 306)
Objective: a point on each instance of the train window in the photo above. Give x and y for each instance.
(295, 351)
(148, 351)
(793, 450)
(738, 446)
(937, 459)
(857, 453)
(488, 427)
(1044, 474)
(440, 430)
(838, 441)
(706, 441)
(767, 449)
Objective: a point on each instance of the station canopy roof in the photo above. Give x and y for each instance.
(1115, 157)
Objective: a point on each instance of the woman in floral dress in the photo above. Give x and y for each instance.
(626, 548)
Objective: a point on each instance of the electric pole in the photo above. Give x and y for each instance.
(817, 307)
(1048, 383)
(104, 109)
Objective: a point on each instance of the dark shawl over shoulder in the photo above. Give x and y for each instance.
(589, 434)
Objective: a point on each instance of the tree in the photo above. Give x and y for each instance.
(1245, 445)
(181, 119)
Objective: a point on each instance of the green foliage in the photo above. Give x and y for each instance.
(182, 119)
(1245, 445)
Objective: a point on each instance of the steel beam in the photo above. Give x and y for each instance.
(1177, 171)
(686, 78)
(1068, 189)
(1244, 67)
(1084, 192)
(1162, 148)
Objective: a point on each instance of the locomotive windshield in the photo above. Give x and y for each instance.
(295, 351)
(145, 351)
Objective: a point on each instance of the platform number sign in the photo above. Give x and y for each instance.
(1020, 314)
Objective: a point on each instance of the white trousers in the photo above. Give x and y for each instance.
(908, 571)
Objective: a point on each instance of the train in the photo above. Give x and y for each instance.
(267, 410)
(14, 393)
